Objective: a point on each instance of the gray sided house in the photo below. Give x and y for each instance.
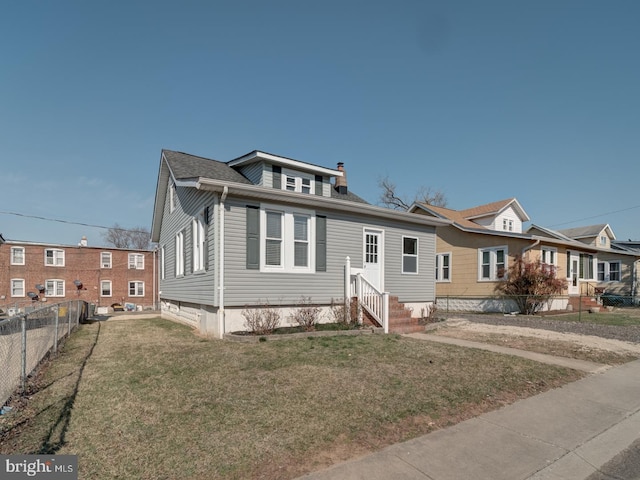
(268, 229)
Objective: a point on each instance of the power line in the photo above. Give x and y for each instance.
(72, 223)
(595, 216)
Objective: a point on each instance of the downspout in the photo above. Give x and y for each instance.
(156, 281)
(533, 245)
(223, 197)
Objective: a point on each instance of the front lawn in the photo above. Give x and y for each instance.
(618, 316)
(149, 399)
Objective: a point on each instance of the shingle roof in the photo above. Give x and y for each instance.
(583, 232)
(349, 196)
(463, 217)
(184, 165)
(453, 215)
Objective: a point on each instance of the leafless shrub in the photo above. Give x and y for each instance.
(261, 319)
(306, 315)
(428, 314)
(339, 313)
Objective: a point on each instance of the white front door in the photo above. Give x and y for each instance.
(373, 256)
(573, 271)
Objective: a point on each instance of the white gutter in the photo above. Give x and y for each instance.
(223, 197)
(533, 245)
(316, 201)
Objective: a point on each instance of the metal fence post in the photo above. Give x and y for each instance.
(57, 324)
(23, 372)
(580, 307)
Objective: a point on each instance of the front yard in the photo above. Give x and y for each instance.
(148, 399)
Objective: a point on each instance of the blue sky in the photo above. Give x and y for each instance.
(482, 100)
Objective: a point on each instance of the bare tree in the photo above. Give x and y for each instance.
(137, 238)
(391, 199)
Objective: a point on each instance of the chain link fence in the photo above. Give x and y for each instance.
(451, 306)
(26, 338)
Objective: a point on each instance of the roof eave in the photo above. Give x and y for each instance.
(257, 155)
(268, 194)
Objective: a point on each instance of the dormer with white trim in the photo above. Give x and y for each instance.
(284, 173)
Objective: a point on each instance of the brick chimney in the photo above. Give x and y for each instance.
(341, 182)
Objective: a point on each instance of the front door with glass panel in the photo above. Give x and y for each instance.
(373, 252)
(573, 271)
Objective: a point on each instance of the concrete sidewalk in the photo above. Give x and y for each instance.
(563, 434)
(573, 363)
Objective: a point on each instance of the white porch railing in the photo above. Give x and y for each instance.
(367, 295)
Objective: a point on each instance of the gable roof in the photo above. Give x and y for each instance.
(588, 231)
(464, 218)
(495, 208)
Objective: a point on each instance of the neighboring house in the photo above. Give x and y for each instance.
(611, 268)
(269, 229)
(474, 253)
(33, 272)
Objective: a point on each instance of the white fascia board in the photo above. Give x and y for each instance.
(315, 201)
(571, 245)
(418, 206)
(295, 164)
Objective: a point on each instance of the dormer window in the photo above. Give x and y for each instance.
(297, 182)
(507, 225)
(603, 240)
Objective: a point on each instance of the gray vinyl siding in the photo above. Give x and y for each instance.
(255, 173)
(344, 238)
(199, 287)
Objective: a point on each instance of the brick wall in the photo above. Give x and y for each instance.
(81, 263)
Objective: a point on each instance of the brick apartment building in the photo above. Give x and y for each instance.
(33, 272)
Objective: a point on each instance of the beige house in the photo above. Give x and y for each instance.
(474, 253)
(610, 269)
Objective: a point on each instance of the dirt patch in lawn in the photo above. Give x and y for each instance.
(570, 345)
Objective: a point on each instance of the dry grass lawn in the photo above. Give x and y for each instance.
(148, 399)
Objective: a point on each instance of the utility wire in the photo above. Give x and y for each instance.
(595, 216)
(71, 223)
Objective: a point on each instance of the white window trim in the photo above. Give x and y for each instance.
(55, 287)
(416, 256)
(110, 288)
(134, 260)
(439, 265)
(13, 262)
(288, 241)
(180, 254)
(24, 289)
(110, 263)
(137, 282)
(199, 237)
(607, 271)
(162, 262)
(493, 274)
(172, 196)
(55, 257)
(594, 266)
(297, 177)
(555, 256)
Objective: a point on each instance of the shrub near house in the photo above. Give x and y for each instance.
(531, 285)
